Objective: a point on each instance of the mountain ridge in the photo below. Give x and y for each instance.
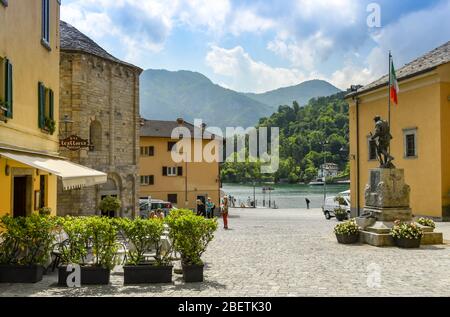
(167, 95)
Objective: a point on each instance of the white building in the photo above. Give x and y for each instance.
(328, 170)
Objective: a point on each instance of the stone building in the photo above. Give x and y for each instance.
(99, 101)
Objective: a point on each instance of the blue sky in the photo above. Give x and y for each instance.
(259, 45)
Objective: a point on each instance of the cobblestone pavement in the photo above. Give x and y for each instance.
(286, 253)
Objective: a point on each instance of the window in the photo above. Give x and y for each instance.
(147, 180)
(171, 146)
(46, 23)
(173, 171)
(410, 143)
(6, 88)
(372, 150)
(45, 108)
(147, 150)
(172, 198)
(95, 136)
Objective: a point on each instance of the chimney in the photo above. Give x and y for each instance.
(180, 121)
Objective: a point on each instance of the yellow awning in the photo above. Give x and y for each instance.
(72, 175)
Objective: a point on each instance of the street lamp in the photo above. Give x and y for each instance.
(67, 125)
(324, 143)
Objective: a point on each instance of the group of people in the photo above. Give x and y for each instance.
(207, 209)
(158, 213)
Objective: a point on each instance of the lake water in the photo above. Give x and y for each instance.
(285, 195)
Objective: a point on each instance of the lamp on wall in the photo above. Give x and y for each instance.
(67, 123)
(7, 170)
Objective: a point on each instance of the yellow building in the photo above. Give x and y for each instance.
(420, 126)
(180, 183)
(29, 94)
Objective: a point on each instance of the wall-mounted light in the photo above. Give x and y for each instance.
(7, 170)
(37, 172)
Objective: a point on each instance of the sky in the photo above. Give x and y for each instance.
(261, 45)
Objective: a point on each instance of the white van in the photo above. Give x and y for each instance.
(331, 204)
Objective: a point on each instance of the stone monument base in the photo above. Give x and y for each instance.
(386, 240)
(387, 200)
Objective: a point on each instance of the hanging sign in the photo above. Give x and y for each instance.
(74, 143)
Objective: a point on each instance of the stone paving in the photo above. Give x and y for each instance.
(286, 253)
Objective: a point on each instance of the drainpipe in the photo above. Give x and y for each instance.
(358, 213)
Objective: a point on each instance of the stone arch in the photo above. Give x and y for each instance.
(95, 135)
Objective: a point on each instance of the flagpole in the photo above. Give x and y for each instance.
(389, 89)
(389, 97)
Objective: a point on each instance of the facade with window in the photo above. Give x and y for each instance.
(420, 129)
(99, 95)
(30, 162)
(178, 182)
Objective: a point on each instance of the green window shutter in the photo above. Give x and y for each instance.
(9, 113)
(8, 89)
(51, 104)
(41, 105)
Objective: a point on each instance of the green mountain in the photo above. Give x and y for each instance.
(301, 93)
(167, 95)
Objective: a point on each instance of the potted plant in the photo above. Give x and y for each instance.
(190, 236)
(25, 247)
(49, 125)
(347, 232)
(406, 235)
(143, 235)
(340, 213)
(427, 222)
(110, 206)
(91, 243)
(73, 248)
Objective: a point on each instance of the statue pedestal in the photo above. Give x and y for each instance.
(387, 200)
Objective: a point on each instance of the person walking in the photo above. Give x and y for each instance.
(201, 211)
(225, 212)
(210, 208)
(307, 203)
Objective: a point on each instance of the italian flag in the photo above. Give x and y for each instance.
(393, 85)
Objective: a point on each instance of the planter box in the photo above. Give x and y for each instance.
(407, 243)
(90, 275)
(21, 273)
(341, 217)
(193, 273)
(146, 274)
(347, 239)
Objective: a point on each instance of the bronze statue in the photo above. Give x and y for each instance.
(383, 138)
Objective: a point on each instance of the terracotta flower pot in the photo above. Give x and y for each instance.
(407, 243)
(347, 238)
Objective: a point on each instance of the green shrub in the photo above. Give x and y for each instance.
(175, 213)
(143, 234)
(110, 203)
(340, 200)
(102, 234)
(45, 211)
(190, 234)
(26, 240)
(406, 230)
(340, 212)
(426, 222)
(347, 228)
(73, 249)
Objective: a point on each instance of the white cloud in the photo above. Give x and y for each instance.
(246, 20)
(245, 74)
(305, 54)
